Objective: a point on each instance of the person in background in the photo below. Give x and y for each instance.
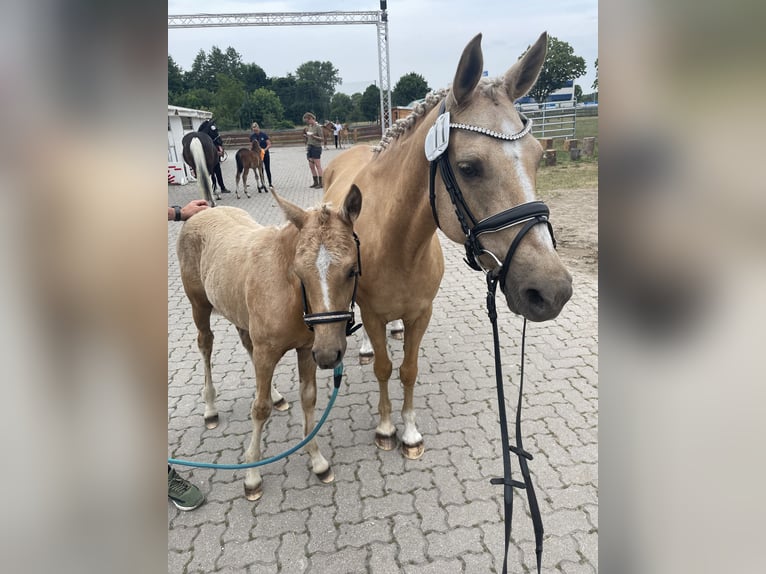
(314, 148)
(263, 140)
(336, 132)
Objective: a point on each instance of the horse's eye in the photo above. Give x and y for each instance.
(468, 169)
(352, 273)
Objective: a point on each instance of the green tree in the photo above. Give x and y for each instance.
(253, 77)
(341, 107)
(410, 87)
(264, 107)
(369, 105)
(560, 66)
(316, 84)
(595, 82)
(197, 78)
(175, 79)
(578, 93)
(227, 101)
(197, 99)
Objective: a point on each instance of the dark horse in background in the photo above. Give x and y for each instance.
(209, 139)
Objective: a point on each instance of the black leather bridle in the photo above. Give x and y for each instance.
(312, 319)
(529, 214)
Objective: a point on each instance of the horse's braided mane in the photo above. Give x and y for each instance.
(488, 87)
(405, 124)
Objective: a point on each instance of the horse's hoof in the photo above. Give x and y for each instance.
(398, 335)
(211, 422)
(413, 452)
(384, 442)
(281, 405)
(253, 494)
(327, 476)
(365, 359)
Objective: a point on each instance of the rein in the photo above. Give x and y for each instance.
(312, 319)
(528, 214)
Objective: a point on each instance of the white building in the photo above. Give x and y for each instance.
(181, 121)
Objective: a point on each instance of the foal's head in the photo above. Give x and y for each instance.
(327, 264)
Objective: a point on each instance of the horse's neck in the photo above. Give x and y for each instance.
(407, 193)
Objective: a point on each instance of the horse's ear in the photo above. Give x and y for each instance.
(352, 205)
(294, 213)
(469, 71)
(520, 77)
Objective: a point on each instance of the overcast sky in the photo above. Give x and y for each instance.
(425, 36)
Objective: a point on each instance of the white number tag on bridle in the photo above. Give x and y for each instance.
(437, 138)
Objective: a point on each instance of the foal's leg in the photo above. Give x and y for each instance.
(259, 413)
(412, 440)
(201, 313)
(307, 371)
(279, 401)
(385, 432)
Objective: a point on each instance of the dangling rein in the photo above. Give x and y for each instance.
(337, 376)
(530, 214)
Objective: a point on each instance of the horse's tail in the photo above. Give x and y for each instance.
(200, 164)
(240, 166)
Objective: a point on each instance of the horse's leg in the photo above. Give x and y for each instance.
(365, 350)
(307, 371)
(412, 440)
(201, 311)
(236, 182)
(385, 432)
(259, 413)
(397, 329)
(279, 401)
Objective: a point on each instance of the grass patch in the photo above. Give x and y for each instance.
(568, 174)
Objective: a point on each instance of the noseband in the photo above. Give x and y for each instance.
(530, 213)
(312, 319)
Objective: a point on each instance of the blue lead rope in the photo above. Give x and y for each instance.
(337, 376)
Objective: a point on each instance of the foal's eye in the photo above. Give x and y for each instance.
(352, 273)
(468, 169)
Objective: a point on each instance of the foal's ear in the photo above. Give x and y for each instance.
(523, 74)
(469, 71)
(294, 213)
(352, 205)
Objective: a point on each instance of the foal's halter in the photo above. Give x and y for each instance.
(312, 319)
(528, 214)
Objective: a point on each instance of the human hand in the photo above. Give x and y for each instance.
(193, 207)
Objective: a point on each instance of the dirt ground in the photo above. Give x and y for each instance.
(574, 215)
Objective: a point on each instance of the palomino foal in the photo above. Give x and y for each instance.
(269, 282)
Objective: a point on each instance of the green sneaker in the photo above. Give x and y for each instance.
(182, 493)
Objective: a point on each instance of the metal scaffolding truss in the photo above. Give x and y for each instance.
(377, 17)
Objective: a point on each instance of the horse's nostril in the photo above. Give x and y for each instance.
(534, 297)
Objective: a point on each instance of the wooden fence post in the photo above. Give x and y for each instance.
(588, 146)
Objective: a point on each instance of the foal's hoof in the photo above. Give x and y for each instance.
(413, 452)
(281, 405)
(327, 476)
(365, 359)
(211, 422)
(384, 442)
(398, 335)
(253, 494)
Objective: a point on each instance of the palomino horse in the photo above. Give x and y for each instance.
(265, 280)
(495, 162)
(248, 159)
(201, 154)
